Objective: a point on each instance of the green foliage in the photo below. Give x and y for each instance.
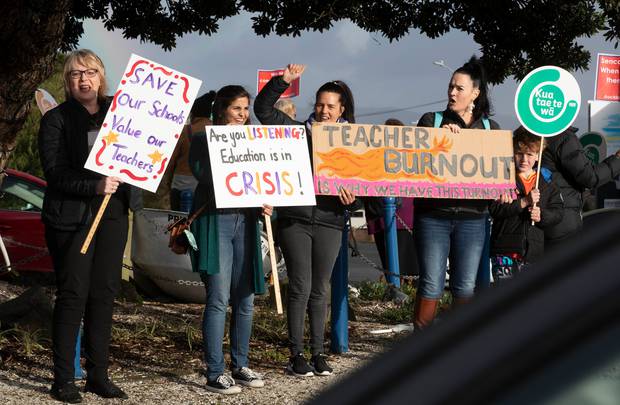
(514, 35)
(25, 157)
(372, 290)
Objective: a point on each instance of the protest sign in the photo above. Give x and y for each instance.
(143, 124)
(265, 75)
(547, 101)
(607, 87)
(254, 165)
(594, 146)
(381, 160)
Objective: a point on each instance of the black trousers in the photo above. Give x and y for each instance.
(407, 254)
(86, 287)
(310, 252)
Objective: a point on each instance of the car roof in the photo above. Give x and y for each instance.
(26, 176)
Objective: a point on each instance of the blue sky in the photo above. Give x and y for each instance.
(382, 75)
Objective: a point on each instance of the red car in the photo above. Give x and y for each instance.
(23, 234)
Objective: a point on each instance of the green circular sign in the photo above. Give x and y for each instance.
(547, 101)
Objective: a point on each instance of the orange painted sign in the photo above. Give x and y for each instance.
(265, 75)
(381, 160)
(607, 77)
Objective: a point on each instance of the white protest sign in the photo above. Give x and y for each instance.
(143, 124)
(254, 165)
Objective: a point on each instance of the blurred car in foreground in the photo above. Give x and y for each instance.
(549, 336)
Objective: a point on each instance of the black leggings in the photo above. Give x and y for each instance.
(310, 252)
(86, 288)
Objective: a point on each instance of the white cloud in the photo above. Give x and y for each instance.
(353, 40)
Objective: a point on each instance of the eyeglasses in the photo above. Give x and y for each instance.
(77, 74)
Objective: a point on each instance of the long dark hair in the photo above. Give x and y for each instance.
(346, 97)
(203, 105)
(224, 98)
(475, 70)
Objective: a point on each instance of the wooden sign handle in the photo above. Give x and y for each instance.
(274, 267)
(95, 224)
(539, 165)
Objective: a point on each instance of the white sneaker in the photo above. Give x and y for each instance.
(223, 384)
(247, 377)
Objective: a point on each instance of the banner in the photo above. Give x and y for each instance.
(607, 87)
(380, 160)
(143, 124)
(265, 75)
(254, 165)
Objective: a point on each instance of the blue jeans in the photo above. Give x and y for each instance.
(439, 238)
(234, 283)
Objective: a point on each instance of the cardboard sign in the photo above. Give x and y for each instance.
(605, 119)
(547, 101)
(265, 75)
(381, 160)
(254, 165)
(143, 123)
(607, 85)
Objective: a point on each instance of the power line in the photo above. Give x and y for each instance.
(401, 109)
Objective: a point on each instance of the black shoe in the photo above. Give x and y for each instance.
(247, 377)
(319, 363)
(298, 366)
(105, 389)
(66, 392)
(223, 384)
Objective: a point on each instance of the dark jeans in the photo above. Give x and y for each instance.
(86, 287)
(310, 252)
(439, 238)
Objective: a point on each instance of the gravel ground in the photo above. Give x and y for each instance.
(21, 387)
(160, 369)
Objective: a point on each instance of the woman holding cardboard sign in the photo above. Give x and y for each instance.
(228, 257)
(87, 284)
(452, 227)
(309, 236)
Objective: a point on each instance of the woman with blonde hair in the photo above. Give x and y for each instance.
(86, 283)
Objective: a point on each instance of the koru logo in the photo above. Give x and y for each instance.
(547, 100)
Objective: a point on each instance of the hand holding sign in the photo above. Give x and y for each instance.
(140, 130)
(108, 185)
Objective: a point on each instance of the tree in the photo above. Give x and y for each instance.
(26, 154)
(514, 36)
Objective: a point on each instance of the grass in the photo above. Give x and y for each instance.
(389, 312)
(23, 341)
(158, 338)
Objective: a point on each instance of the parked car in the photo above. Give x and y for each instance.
(21, 229)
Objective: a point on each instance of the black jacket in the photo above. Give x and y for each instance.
(328, 211)
(573, 172)
(451, 207)
(513, 231)
(70, 197)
